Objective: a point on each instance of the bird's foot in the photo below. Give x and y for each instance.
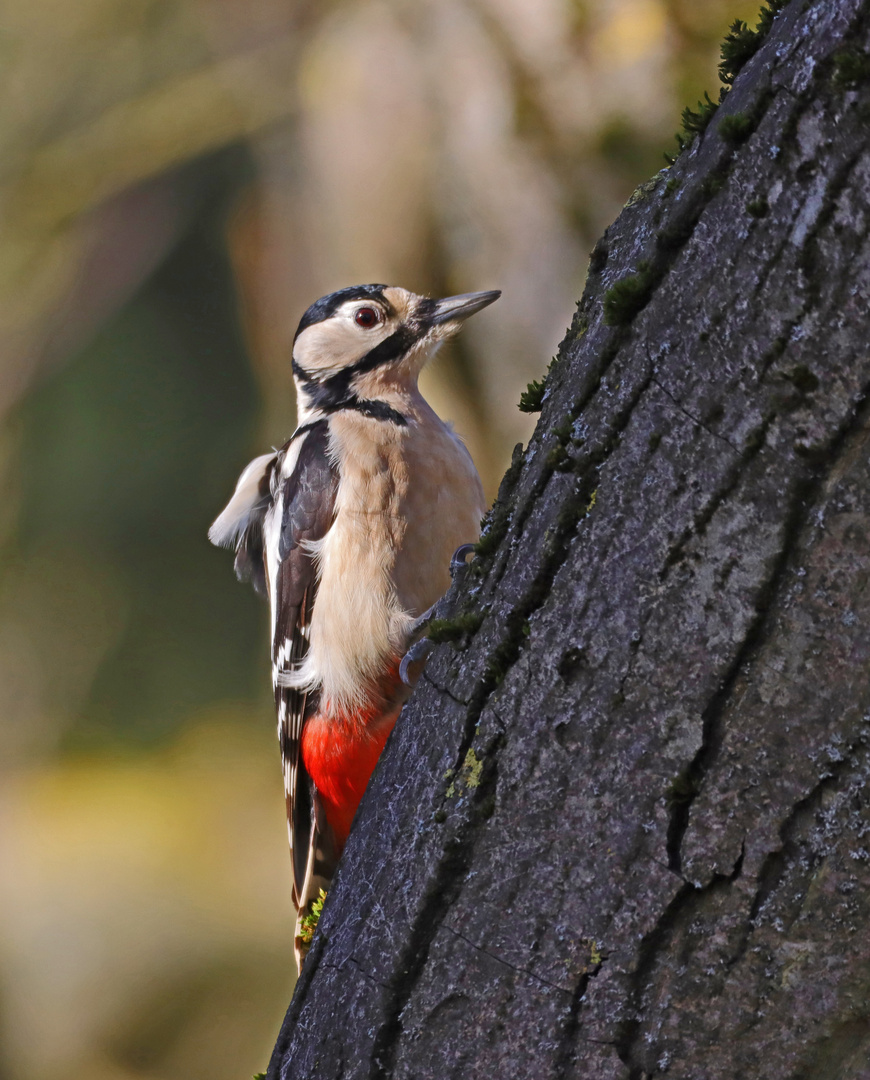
(415, 658)
(459, 562)
(418, 626)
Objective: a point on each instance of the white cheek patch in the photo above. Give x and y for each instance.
(328, 347)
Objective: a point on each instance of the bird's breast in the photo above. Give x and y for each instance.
(407, 498)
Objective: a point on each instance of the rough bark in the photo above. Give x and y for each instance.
(622, 829)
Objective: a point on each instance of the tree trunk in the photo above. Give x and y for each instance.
(623, 828)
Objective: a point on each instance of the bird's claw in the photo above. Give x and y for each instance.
(417, 654)
(459, 564)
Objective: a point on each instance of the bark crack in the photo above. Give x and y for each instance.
(712, 716)
(801, 508)
(682, 409)
(445, 690)
(566, 1052)
(755, 443)
(356, 964)
(776, 862)
(506, 963)
(654, 943)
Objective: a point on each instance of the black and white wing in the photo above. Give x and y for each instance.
(284, 503)
(305, 501)
(240, 524)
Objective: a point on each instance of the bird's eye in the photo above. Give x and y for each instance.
(366, 317)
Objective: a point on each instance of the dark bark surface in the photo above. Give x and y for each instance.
(623, 828)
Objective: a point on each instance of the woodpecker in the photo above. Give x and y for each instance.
(349, 529)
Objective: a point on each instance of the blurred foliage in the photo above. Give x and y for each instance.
(180, 179)
(153, 417)
(144, 919)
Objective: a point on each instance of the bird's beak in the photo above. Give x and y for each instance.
(457, 308)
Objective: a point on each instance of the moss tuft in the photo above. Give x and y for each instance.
(673, 236)
(532, 398)
(695, 122)
(851, 67)
(629, 295)
(767, 14)
(682, 789)
(440, 630)
(559, 459)
(803, 380)
(741, 43)
(758, 208)
(308, 923)
(736, 129)
(499, 661)
(490, 539)
(713, 184)
(738, 48)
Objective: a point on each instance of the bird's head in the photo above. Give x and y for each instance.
(354, 343)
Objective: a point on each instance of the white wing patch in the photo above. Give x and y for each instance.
(230, 525)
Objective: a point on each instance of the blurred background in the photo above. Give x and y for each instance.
(179, 179)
